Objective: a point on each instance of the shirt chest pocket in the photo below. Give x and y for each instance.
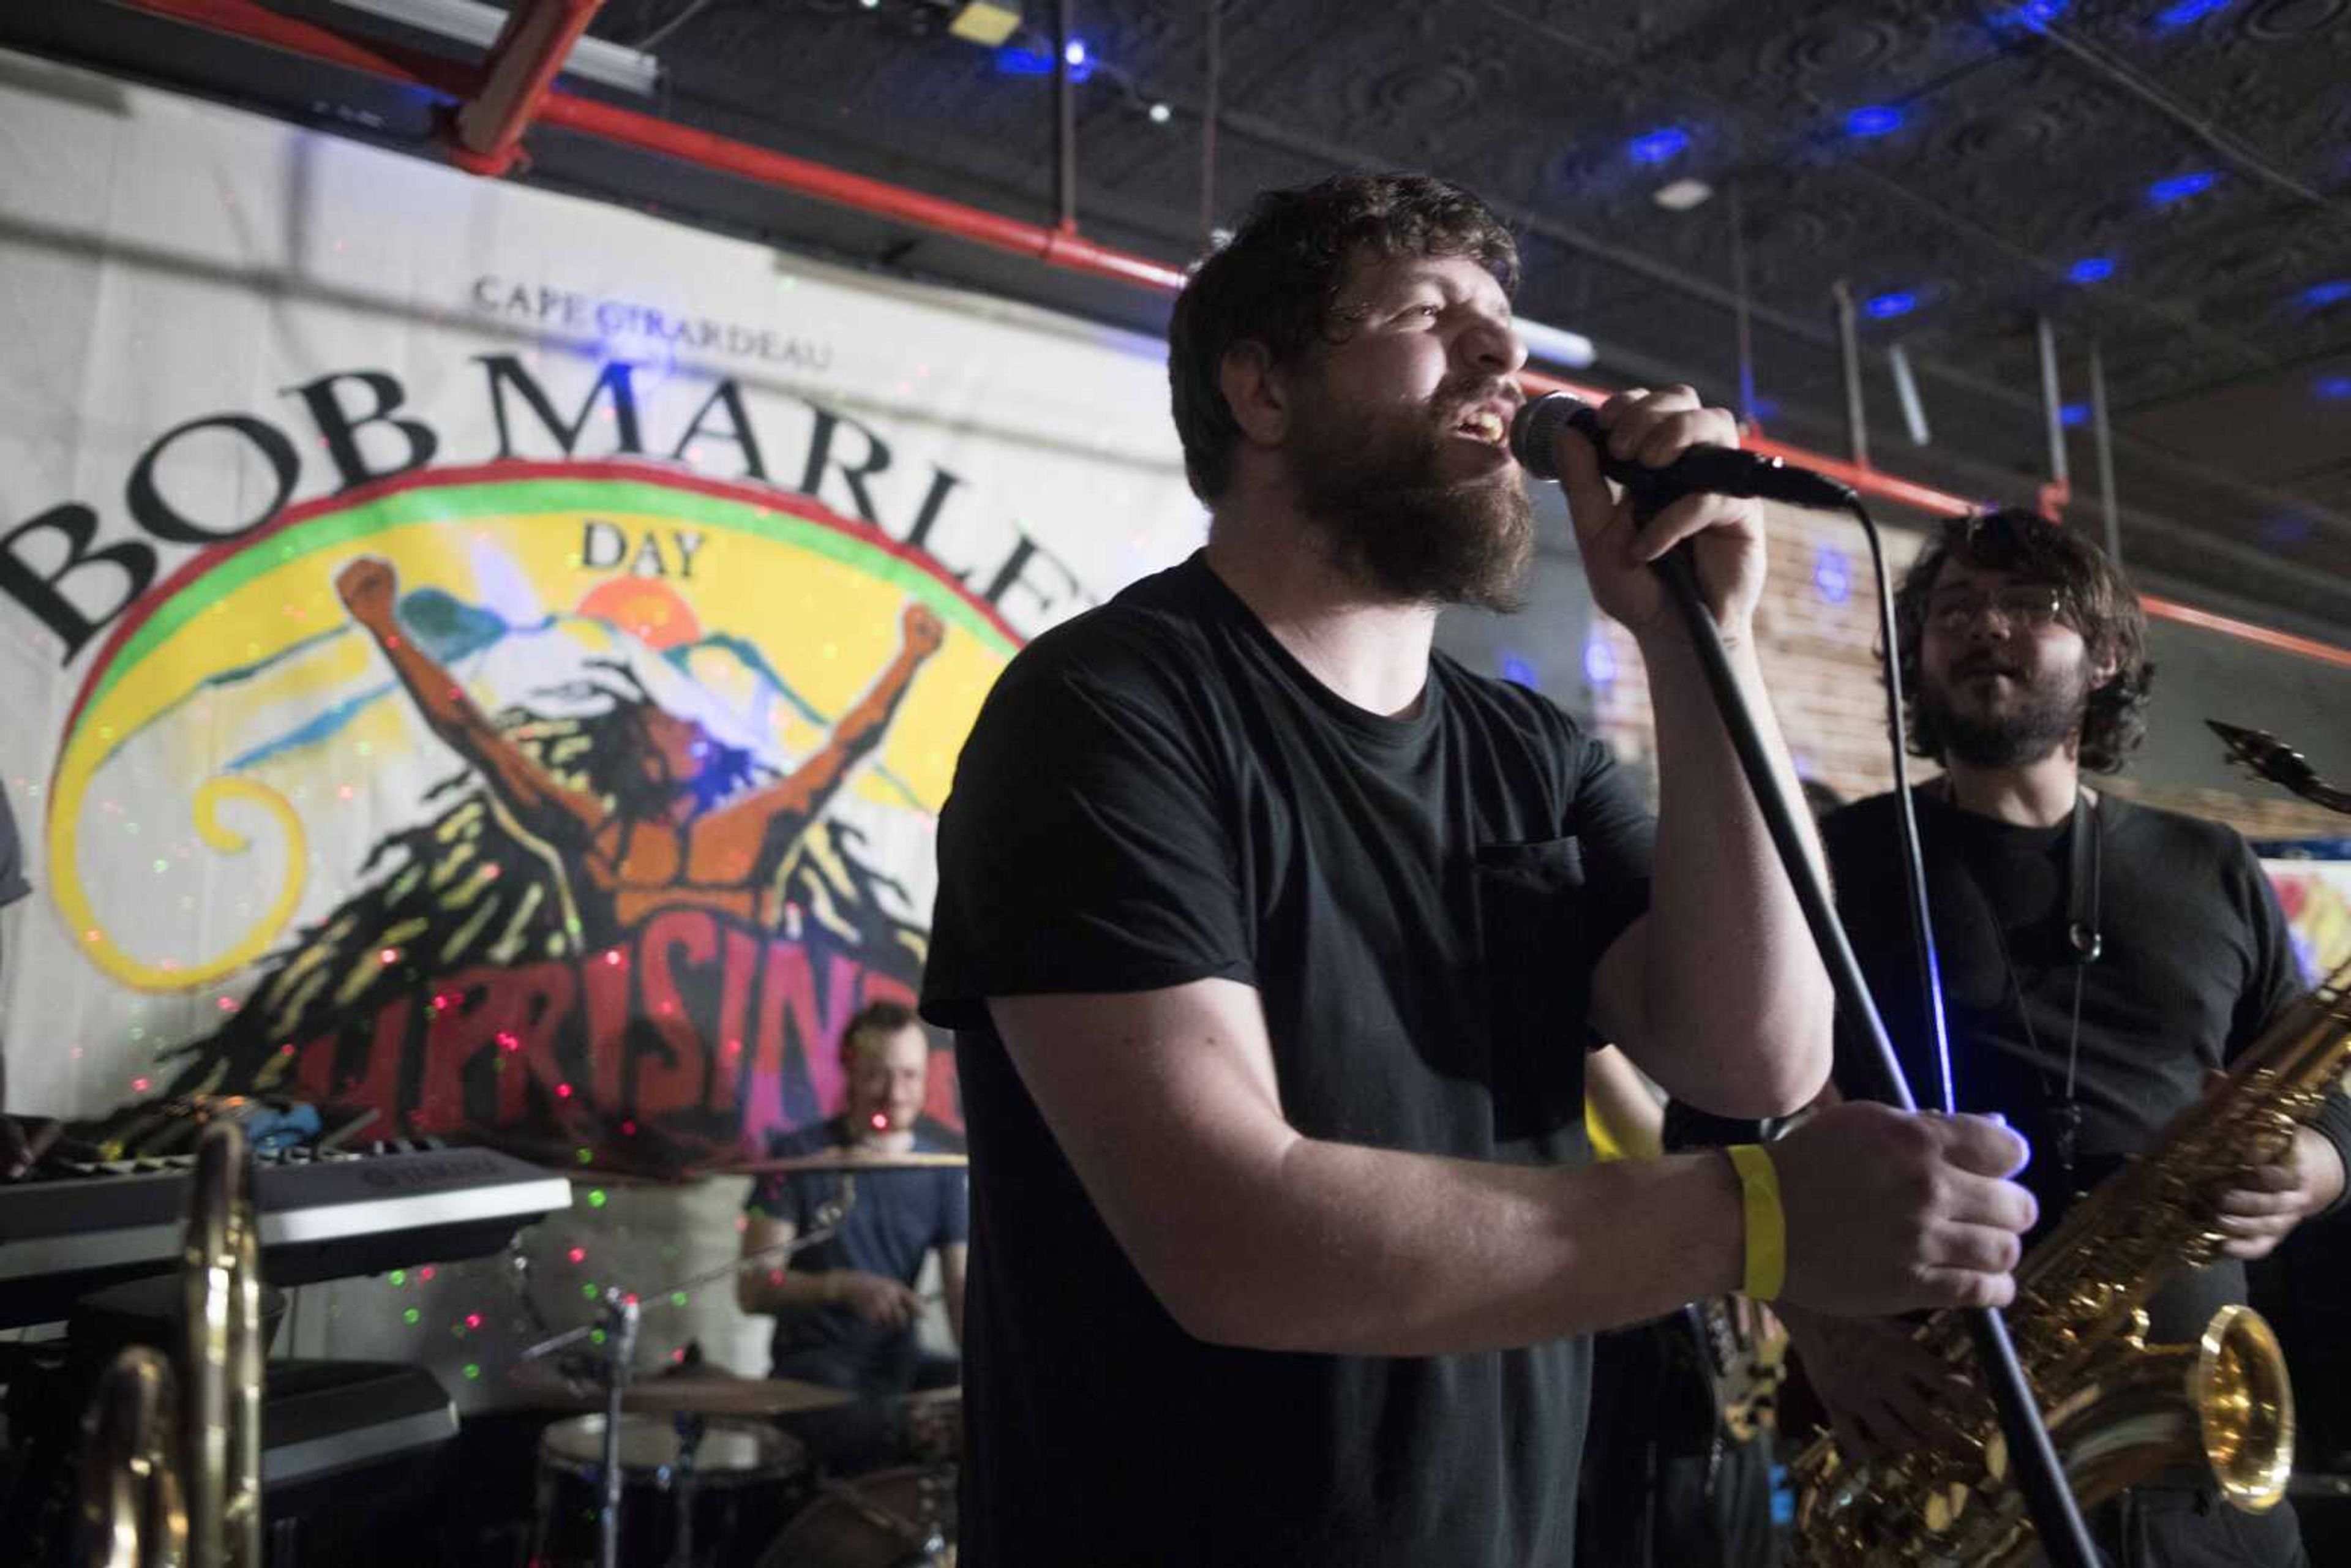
(1532, 915)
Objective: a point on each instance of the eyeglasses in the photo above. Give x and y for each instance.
(2023, 609)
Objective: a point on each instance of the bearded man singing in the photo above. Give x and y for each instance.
(1273, 942)
(2101, 960)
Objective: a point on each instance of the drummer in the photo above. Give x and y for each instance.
(848, 1311)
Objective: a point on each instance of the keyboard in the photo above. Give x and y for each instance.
(324, 1418)
(75, 1226)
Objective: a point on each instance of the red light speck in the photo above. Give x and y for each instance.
(563, 1091)
(578, 1254)
(141, 1084)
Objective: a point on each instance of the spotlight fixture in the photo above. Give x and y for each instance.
(987, 23)
(1160, 113)
(1681, 196)
(1885, 306)
(2092, 269)
(470, 22)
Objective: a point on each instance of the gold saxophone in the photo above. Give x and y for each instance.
(171, 1474)
(2118, 1409)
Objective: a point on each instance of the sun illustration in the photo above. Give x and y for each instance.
(646, 608)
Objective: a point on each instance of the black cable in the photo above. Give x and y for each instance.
(1914, 861)
(1209, 117)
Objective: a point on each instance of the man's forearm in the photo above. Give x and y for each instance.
(1753, 1038)
(782, 1291)
(1377, 1252)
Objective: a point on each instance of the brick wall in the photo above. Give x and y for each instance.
(1818, 652)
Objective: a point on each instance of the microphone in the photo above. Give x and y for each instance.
(1702, 470)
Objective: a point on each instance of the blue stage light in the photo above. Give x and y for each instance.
(1599, 659)
(1832, 575)
(2073, 414)
(2179, 187)
(1520, 673)
(1885, 306)
(1076, 52)
(2318, 296)
(1019, 62)
(2034, 14)
(2187, 12)
(1876, 120)
(2092, 269)
(1659, 146)
(2334, 388)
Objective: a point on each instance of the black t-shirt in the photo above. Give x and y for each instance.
(1156, 793)
(2196, 961)
(894, 1220)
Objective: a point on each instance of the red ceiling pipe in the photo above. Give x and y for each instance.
(486, 135)
(653, 134)
(2247, 630)
(246, 19)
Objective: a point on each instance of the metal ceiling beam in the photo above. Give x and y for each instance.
(485, 134)
(252, 21)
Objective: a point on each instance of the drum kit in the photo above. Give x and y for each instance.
(691, 1469)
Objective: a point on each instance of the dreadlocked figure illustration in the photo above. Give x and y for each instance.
(668, 837)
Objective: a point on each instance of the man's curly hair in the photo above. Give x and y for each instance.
(1277, 283)
(2097, 601)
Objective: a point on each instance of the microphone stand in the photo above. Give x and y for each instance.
(2063, 1537)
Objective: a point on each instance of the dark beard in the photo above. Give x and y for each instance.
(1392, 526)
(2049, 716)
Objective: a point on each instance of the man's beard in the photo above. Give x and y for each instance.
(2047, 714)
(1401, 530)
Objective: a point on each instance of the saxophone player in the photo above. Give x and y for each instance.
(2101, 961)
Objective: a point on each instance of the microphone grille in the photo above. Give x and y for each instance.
(1537, 426)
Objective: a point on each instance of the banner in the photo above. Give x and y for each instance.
(490, 658)
(2316, 897)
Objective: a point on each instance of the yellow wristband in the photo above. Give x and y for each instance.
(1767, 1227)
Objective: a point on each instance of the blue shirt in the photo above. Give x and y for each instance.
(894, 1219)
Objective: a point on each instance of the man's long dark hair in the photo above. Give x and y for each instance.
(2097, 602)
(1277, 283)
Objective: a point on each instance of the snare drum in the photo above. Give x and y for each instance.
(891, 1519)
(714, 1508)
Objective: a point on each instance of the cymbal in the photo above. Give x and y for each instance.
(843, 1161)
(699, 1394)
